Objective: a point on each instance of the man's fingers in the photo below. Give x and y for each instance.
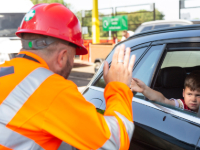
(115, 55)
(105, 69)
(131, 64)
(127, 56)
(121, 54)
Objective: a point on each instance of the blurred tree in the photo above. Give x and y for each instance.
(138, 17)
(51, 1)
(135, 19)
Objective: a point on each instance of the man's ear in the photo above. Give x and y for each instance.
(183, 92)
(62, 58)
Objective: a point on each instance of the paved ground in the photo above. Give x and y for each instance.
(82, 73)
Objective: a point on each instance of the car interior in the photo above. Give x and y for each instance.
(170, 82)
(171, 76)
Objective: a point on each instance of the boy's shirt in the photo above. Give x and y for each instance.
(180, 103)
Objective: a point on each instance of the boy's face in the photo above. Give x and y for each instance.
(192, 98)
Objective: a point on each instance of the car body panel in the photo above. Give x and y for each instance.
(156, 126)
(156, 121)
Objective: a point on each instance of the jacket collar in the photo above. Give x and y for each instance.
(38, 58)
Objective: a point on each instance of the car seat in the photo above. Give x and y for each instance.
(171, 82)
(190, 69)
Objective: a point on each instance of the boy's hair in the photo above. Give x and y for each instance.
(192, 81)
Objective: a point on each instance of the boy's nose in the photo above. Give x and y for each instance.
(194, 98)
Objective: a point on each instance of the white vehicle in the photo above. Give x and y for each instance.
(158, 24)
(11, 15)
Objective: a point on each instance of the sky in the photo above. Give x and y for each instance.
(170, 8)
(15, 6)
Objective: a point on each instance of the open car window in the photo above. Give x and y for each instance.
(177, 64)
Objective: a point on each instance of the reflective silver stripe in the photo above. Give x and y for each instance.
(12, 104)
(16, 141)
(113, 143)
(128, 125)
(65, 146)
(15, 100)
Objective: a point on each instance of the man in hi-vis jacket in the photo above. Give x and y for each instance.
(41, 110)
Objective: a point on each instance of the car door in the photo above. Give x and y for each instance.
(156, 126)
(94, 93)
(162, 126)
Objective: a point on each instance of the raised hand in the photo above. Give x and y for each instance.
(121, 68)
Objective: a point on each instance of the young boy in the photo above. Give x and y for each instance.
(191, 92)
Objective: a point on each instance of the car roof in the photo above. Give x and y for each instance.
(181, 32)
(161, 36)
(166, 21)
(170, 30)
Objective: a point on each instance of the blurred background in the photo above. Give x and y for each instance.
(115, 17)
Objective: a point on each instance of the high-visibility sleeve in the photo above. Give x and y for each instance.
(118, 98)
(4, 148)
(75, 121)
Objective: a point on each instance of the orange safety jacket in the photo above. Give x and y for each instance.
(41, 110)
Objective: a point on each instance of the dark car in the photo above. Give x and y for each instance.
(163, 59)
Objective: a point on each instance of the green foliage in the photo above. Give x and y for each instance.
(51, 1)
(137, 18)
(79, 16)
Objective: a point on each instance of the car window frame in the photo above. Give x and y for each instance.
(155, 68)
(173, 111)
(98, 75)
(144, 51)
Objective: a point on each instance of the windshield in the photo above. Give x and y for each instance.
(9, 22)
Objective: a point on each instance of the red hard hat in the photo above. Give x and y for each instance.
(53, 20)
